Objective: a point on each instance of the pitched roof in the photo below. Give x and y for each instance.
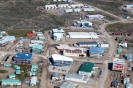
(86, 67)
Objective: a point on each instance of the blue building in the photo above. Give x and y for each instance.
(96, 52)
(22, 57)
(128, 56)
(59, 60)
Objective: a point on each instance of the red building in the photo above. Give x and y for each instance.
(30, 34)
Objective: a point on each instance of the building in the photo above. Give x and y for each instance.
(37, 42)
(33, 69)
(118, 64)
(30, 34)
(82, 35)
(62, 6)
(129, 85)
(87, 68)
(102, 44)
(114, 84)
(33, 81)
(96, 52)
(68, 10)
(71, 51)
(128, 56)
(88, 8)
(22, 57)
(119, 50)
(41, 38)
(31, 73)
(59, 60)
(55, 76)
(87, 44)
(6, 39)
(66, 84)
(39, 34)
(123, 45)
(12, 82)
(77, 10)
(128, 8)
(18, 71)
(76, 78)
(16, 67)
(37, 49)
(11, 76)
(62, 0)
(76, 5)
(35, 66)
(51, 6)
(94, 17)
(126, 80)
(82, 23)
(7, 64)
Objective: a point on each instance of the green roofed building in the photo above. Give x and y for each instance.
(18, 71)
(7, 64)
(12, 76)
(11, 82)
(16, 67)
(32, 73)
(87, 68)
(33, 69)
(34, 66)
(37, 49)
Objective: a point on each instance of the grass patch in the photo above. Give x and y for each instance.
(3, 71)
(25, 68)
(120, 27)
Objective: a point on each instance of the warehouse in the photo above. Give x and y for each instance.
(63, 5)
(12, 82)
(71, 51)
(96, 52)
(81, 35)
(87, 68)
(59, 60)
(118, 64)
(77, 5)
(36, 42)
(87, 44)
(33, 81)
(76, 10)
(52, 6)
(68, 10)
(22, 57)
(76, 78)
(66, 84)
(88, 8)
(82, 23)
(93, 17)
(103, 44)
(37, 49)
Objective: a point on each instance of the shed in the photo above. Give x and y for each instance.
(128, 56)
(119, 50)
(11, 76)
(18, 71)
(129, 85)
(32, 73)
(114, 83)
(16, 67)
(10, 82)
(33, 81)
(35, 66)
(33, 69)
(86, 69)
(126, 80)
(7, 64)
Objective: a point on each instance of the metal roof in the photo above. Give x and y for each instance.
(16, 67)
(58, 30)
(18, 71)
(55, 74)
(11, 75)
(74, 76)
(7, 39)
(37, 46)
(87, 43)
(96, 49)
(7, 64)
(129, 85)
(11, 80)
(67, 84)
(34, 65)
(86, 67)
(23, 55)
(128, 56)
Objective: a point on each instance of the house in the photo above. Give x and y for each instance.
(11, 82)
(87, 44)
(128, 8)
(87, 68)
(55, 76)
(41, 38)
(114, 84)
(82, 35)
(33, 81)
(88, 8)
(126, 80)
(33, 69)
(82, 23)
(119, 50)
(66, 84)
(11, 76)
(76, 10)
(129, 85)
(32, 73)
(63, 5)
(30, 34)
(77, 5)
(93, 17)
(118, 64)
(68, 10)
(37, 42)
(18, 71)
(51, 6)
(123, 45)
(37, 49)
(59, 60)
(7, 64)
(71, 51)
(128, 56)
(22, 57)
(76, 78)
(96, 52)
(16, 67)
(34, 66)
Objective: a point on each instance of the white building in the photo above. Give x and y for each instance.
(10, 82)
(72, 51)
(33, 81)
(82, 35)
(36, 42)
(92, 17)
(82, 23)
(77, 5)
(66, 84)
(103, 44)
(118, 64)
(124, 45)
(87, 44)
(76, 10)
(63, 5)
(41, 38)
(88, 8)
(52, 6)
(68, 10)
(76, 78)
(128, 7)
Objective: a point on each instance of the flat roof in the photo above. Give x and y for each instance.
(92, 42)
(23, 55)
(87, 67)
(60, 57)
(67, 84)
(11, 80)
